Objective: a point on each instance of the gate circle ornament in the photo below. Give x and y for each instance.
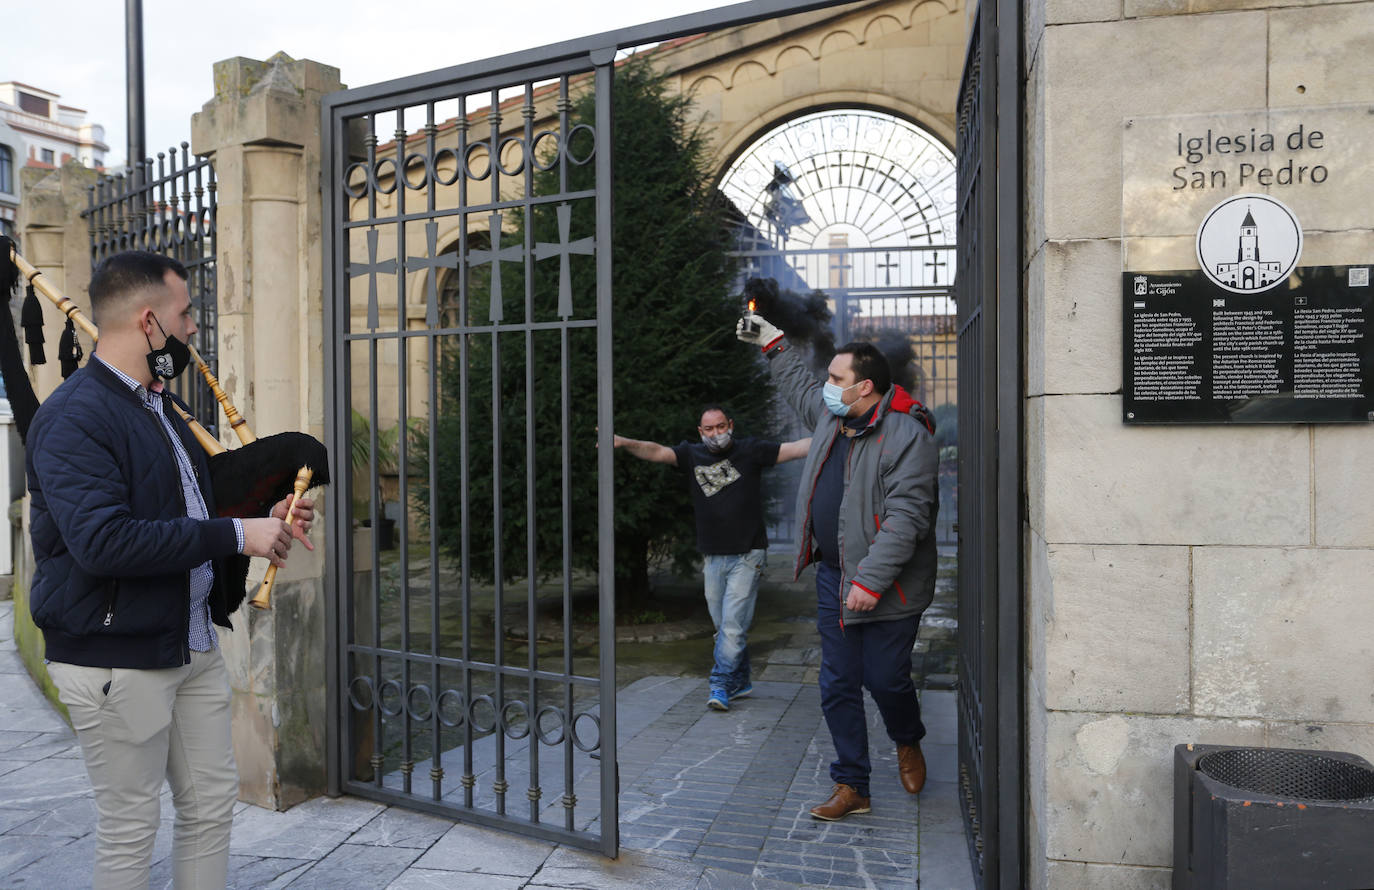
(472, 713)
(553, 153)
(577, 737)
(568, 146)
(355, 699)
(467, 160)
(452, 695)
(520, 167)
(410, 703)
(377, 175)
(457, 166)
(425, 165)
(508, 722)
(543, 734)
(1249, 243)
(359, 168)
(394, 687)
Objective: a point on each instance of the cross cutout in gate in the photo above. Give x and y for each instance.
(371, 269)
(564, 251)
(887, 266)
(935, 266)
(432, 263)
(496, 256)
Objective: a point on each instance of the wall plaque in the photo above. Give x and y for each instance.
(1246, 256)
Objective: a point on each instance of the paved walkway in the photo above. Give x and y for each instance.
(709, 800)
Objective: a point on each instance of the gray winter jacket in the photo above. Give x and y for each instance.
(887, 515)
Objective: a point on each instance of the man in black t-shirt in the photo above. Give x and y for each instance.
(724, 475)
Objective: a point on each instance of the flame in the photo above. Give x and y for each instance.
(751, 305)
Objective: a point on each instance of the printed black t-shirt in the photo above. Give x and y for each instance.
(727, 492)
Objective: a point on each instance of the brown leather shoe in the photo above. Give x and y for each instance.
(843, 801)
(911, 765)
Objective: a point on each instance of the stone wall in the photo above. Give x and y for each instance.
(1189, 584)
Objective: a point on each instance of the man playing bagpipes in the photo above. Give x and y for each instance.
(132, 575)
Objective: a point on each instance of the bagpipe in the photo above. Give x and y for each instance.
(247, 481)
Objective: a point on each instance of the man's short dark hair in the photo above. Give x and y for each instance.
(714, 407)
(121, 276)
(869, 364)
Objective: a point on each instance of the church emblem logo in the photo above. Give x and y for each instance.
(715, 478)
(1249, 243)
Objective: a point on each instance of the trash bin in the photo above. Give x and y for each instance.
(1272, 819)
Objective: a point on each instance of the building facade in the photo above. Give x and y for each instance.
(12, 153)
(54, 133)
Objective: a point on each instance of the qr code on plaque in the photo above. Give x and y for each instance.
(1359, 276)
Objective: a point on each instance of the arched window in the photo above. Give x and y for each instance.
(863, 177)
(859, 205)
(6, 170)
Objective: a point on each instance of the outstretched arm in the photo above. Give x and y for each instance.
(651, 451)
(793, 450)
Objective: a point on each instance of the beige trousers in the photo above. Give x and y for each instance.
(145, 726)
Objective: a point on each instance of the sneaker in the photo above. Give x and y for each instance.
(718, 701)
(742, 692)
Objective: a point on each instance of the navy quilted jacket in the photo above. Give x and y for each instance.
(112, 543)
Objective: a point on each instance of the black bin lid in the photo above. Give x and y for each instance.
(1292, 774)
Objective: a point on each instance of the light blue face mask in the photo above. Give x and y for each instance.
(832, 393)
(718, 442)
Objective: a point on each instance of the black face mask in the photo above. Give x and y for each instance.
(169, 361)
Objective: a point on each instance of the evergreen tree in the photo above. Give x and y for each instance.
(674, 351)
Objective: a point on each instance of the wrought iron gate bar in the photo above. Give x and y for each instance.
(467, 210)
(474, 76)
(504, 327)
(459, 664)
(436, 771)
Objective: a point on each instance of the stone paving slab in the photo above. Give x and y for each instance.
(708, 800)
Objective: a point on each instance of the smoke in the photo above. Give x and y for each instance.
(808, 322)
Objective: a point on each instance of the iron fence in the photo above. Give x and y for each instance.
(167, 206)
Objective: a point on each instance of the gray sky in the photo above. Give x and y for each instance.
(76, 48)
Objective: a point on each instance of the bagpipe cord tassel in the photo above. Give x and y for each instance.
(31, 320)
(69, 350)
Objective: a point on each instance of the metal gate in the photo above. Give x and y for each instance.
(988, 288)
(446, 699)
(447, 198)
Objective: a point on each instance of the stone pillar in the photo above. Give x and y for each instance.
(263, 130)
(1187, 583)
(54, 238)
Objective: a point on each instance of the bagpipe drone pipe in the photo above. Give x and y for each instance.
(247, 481)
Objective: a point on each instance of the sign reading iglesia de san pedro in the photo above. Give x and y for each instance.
(1247, 252)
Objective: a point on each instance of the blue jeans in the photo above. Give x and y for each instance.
(732, 586)
(876, 655)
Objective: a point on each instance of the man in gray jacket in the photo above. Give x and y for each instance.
(866, 515)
